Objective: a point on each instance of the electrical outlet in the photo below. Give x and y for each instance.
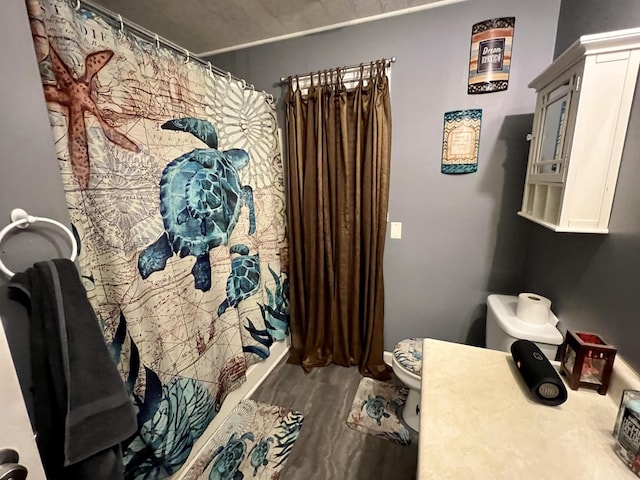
(396, 230)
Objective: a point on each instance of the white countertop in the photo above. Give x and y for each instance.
(477, 421)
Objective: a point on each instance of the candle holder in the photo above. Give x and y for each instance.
(587, 361)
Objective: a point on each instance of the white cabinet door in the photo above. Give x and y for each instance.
(15, 428)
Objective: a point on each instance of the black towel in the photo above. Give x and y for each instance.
(82, 409)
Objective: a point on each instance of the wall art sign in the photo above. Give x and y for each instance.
(461, 141)
(490, 58)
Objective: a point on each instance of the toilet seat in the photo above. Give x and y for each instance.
(407, 355)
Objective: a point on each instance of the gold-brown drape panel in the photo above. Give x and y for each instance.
(339, 156)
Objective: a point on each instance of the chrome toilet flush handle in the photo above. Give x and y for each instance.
(10, 469)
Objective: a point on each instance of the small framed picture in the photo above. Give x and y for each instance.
(461, 141)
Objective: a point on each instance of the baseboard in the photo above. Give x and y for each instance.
(256, 374)
(623, 377)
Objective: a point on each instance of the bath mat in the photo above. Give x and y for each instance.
(252, 443)
(376, 410)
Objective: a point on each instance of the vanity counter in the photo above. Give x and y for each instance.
(478, 421)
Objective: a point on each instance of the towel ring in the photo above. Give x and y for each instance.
(20, 219)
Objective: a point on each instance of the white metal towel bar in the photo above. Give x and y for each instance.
(20, 219)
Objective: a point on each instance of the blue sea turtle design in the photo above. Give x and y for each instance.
(229, 458)
(200, 202)
(275, 314)
(244, 279)
(258, 454)
(375, 408)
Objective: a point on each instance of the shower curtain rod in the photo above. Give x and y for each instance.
(387, 63)
(150, 36)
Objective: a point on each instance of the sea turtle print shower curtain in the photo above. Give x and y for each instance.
(174, 184)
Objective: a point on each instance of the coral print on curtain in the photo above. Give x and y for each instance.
(173, 180)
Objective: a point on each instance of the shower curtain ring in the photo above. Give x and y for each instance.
(157, 42)
(77, 5)
(210, 70)
(228, 77)
(253, 89)
(188, 56)
(121, 24)
(244, 84)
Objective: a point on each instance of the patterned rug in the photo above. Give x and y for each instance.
(376, 410)
(254, 442)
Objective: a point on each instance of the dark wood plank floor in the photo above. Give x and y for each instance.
(327, 449)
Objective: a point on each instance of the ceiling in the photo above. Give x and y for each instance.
(213, 26)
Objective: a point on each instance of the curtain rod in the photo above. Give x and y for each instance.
(150, 36)
(387, 63)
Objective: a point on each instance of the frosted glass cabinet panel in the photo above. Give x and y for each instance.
(582, 111)
(554, 108)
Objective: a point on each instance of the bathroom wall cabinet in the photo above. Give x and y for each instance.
(582, 111)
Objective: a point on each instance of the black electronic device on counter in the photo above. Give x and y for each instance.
(538, 373)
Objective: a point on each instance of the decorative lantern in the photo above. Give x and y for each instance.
(587, 361)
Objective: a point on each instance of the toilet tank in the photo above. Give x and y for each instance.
(504, 327)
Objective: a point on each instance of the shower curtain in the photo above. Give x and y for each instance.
(173, 180)
(338, 191)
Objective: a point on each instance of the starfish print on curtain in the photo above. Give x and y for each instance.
(76, 96)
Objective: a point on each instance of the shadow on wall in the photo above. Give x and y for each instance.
(477, 327)
(565, 266)
(512, 232)
(506, 272)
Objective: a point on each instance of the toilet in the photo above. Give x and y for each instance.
(407, 365)
(503, 328)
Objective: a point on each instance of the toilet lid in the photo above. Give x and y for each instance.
(408, 354)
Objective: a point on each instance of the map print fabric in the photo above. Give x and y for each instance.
(174, 183)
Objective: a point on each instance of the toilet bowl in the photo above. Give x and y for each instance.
(504, 327)
(407, 365)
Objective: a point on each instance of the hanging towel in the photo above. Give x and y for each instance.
(82, 409)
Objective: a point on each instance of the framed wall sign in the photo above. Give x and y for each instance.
(461, 141)
(490, 58)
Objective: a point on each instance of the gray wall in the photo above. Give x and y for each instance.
(593, 279)
(30, 176)
(461, 236)
(582, 17)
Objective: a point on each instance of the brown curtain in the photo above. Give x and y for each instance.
(339, 156)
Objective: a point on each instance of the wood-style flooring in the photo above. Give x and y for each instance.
(327, 449)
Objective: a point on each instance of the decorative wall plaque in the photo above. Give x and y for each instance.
(461, 141)
(490, 58)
